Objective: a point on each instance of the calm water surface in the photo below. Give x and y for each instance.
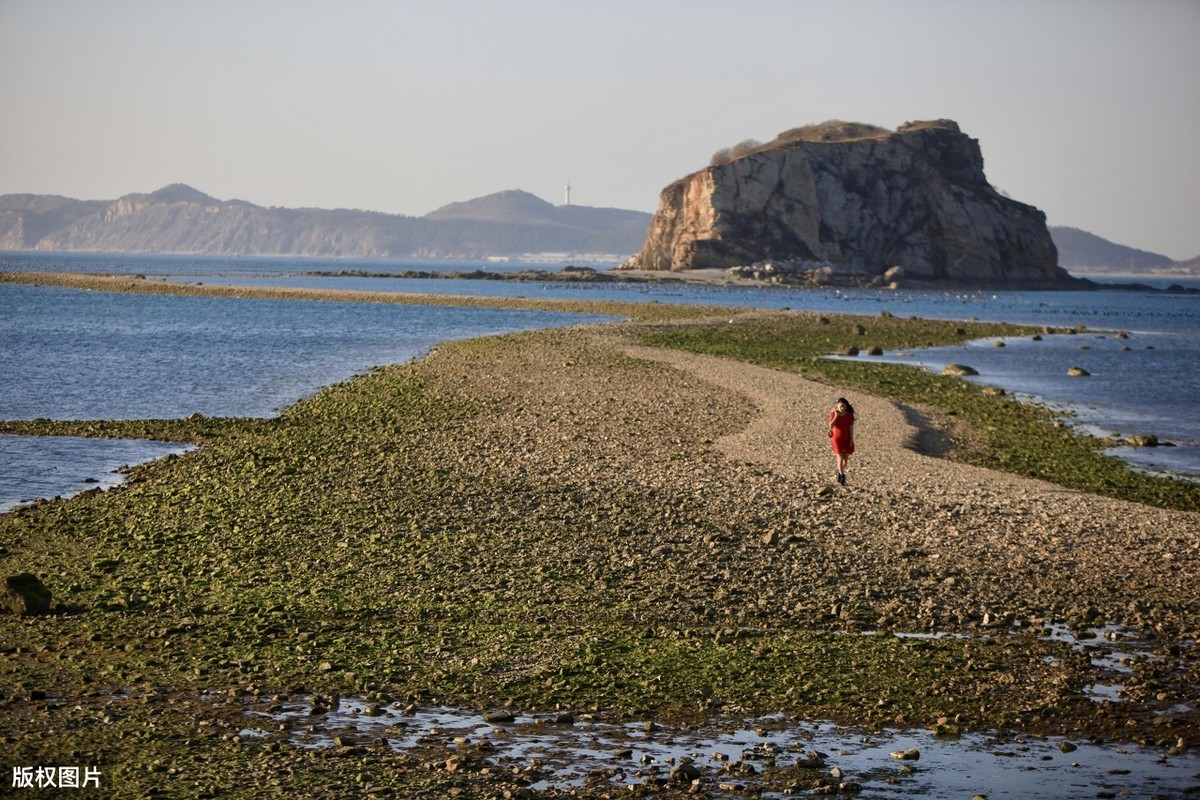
(71, 354)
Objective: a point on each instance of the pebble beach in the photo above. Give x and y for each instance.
(572, 521)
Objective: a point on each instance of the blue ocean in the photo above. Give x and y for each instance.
(72, 354)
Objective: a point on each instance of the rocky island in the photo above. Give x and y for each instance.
(851, 201)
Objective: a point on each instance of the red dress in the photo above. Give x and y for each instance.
(843, 433)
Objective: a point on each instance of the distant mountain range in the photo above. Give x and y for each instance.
(180, 219)
(1081, 252)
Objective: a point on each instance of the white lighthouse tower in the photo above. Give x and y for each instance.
(568, 192)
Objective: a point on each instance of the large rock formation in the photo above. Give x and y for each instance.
(859, 200)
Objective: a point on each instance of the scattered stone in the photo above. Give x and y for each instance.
(959, 369)
(499, 718)
(1143, 440)
(875, 351)
(1078, 372)
(911, 754)
(848, 350)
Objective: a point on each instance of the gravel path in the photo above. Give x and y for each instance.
(1025, 547)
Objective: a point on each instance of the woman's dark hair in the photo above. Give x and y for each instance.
(849, 408)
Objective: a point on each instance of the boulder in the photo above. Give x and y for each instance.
(870, 202)
(911, 754)
(959, 369)
(26, 594)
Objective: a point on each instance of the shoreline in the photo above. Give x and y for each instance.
(626, 309)
(571, 521)
(629, 310)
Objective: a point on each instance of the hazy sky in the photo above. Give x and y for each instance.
(1087, 109)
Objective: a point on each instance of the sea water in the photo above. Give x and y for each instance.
(72, 354)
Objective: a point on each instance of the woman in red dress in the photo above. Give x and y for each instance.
(841, 435)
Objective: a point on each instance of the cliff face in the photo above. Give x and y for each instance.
(26, 219)
(862, 200)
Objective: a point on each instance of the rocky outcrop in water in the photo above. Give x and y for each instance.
(854, 200)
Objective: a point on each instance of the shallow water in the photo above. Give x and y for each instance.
(729, 751)
(564, 751)
(52, 466)
(72, 354)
